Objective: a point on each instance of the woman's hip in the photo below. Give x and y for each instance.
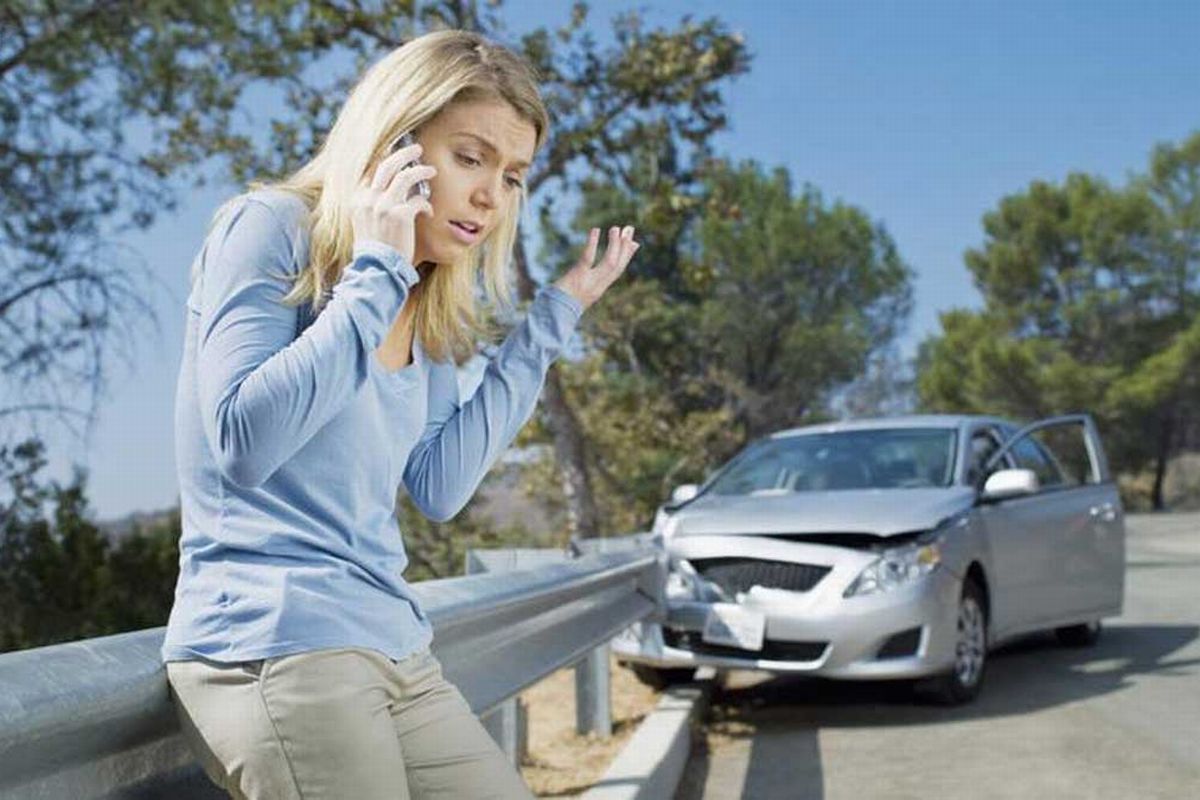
(346, 722)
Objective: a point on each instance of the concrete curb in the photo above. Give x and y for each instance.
(651, 764)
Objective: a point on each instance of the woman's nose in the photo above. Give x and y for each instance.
(486, 193)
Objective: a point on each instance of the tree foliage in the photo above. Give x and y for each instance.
(61, 578)
(1090, 297)
(756, 304)
(803, 293)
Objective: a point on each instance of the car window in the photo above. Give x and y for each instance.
(884, 458)
(1030, 455)
(1065, 447)
(984, 443)
(754, 474)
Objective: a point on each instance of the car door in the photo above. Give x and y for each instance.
(1075, 516)
(1095, 556)
(1018, 540)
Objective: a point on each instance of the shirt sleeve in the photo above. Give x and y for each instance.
(264, 391)
(461, 441)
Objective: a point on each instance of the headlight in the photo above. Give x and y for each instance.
(898, 566)
(684, 583)
(680, 586)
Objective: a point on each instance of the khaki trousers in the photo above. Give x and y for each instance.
(341, 723)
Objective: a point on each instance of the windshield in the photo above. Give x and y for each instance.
(899, 458)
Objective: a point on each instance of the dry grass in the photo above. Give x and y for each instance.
(561, 763)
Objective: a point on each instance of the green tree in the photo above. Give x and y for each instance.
(61, 579)
(804, 293)
(53, 574)
(775, 300)
(1090, 294)
(143, 567)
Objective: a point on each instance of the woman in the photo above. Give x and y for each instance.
(318, 374)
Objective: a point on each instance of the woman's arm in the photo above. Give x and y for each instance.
(461, 442)
(263, 391)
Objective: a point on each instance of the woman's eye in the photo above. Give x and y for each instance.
(514, 183)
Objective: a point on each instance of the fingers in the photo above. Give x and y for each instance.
(629, 248)
(588, 256)
(614, 246)
(392, 164)
(400, 188)
(421, 205)
(621, 248)
(617, 253)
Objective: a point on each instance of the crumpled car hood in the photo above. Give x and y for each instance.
(883, 512)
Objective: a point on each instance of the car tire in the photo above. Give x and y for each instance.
(1083, 635)
(961, 683)
(662, 677)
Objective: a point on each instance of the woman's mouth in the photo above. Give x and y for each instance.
(466, 232)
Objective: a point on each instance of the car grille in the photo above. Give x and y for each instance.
(735, 575)
(772, 649)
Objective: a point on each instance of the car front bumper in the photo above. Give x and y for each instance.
(907, 632)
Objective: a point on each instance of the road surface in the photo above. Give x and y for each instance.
(1118, 720)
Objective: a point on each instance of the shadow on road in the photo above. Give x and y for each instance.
(782, 715)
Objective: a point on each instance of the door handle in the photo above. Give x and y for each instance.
(1105, 512)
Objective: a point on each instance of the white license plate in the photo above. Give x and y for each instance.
(735, 626)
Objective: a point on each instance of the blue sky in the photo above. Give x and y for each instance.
(923, 114)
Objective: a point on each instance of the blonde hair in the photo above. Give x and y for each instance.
(399, 93)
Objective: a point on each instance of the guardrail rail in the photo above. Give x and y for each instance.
(93, 718)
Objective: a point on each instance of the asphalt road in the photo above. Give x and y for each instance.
(1118, 720)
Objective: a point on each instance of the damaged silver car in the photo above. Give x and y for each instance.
(901, 548)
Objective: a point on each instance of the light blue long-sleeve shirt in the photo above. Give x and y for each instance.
(292, 439)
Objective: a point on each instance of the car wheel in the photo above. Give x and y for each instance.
(662, 677)
(961, 683)
(1083, 635)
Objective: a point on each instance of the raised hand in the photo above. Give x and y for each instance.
(587, 280)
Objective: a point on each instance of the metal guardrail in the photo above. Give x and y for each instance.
(94, 719)
(508, 721)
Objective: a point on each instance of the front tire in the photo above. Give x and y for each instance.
(961, 683)
(1084, 635)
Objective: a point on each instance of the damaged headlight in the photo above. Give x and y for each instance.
(684, 583)
(680, 585)
(899, 566)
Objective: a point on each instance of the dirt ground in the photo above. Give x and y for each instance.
(562, 763)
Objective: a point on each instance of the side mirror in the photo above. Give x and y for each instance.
(684, 493)
(1009, 483)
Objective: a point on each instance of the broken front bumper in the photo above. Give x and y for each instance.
(905, 632)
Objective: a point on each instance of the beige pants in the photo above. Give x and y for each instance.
(343, 723)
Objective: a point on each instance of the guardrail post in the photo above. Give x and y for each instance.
(508, 723)
(593, 694)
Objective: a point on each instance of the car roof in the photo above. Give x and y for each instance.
(954, 421)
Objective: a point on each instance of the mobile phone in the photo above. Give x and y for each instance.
(404, 140)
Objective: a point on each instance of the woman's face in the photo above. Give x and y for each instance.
(482, 150)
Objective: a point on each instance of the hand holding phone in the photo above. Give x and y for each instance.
(386, 204)
(406, 139)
